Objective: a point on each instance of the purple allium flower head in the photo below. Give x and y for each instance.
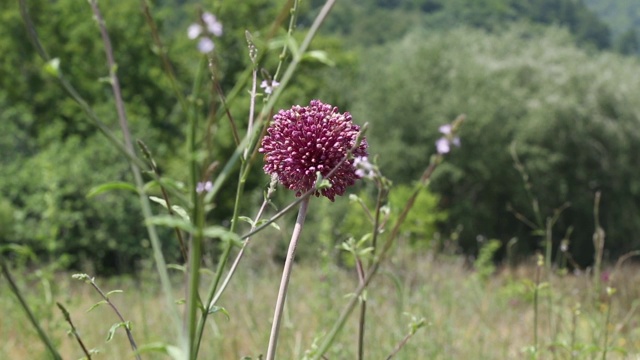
(304, 140)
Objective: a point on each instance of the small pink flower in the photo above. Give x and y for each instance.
(316, 138)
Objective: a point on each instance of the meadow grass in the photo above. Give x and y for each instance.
(467, 317)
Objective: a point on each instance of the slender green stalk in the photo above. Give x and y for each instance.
(222, 262)
(162, 51)
(234, 266)
(197, 216)
(610, 292)
(536, 294)
(363, 314)
(284, 282)
(292, 25)
(224, 256)
(574, 328)
(32, 318)
(598, 244)
(382, 191)
(165, 195)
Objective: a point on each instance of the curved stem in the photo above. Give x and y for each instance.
(284, 282)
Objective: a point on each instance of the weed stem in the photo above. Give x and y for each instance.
(284, 282)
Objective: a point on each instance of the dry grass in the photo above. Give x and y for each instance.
(468, 318)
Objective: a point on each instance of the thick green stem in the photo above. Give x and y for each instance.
(197, 215)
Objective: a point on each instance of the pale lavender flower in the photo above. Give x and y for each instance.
(268, 86)
(204, 187)
(194, 31)
(363, 167)
(302, 141)
(443, 145)
(205, 45)
(445, 129)
(213, 25)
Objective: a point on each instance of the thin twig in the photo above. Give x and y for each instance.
(165, 195)
(363, 310)
(14, 288)
(32, 318)
(166, 63)
(104, 296)
(74, 332)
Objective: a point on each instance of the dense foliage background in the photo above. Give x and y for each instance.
(555, 81)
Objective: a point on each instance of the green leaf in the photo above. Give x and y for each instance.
(102, 302)
(318, 56)
(220, 232)
(170, 350)
(181, 268)
(166, 182)
(115, 327)
(273, 224)
(172, 222)
(246, 219)
(214, 309)
(116, 185)
(179, 210)
(114, 292)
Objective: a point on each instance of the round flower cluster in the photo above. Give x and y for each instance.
(302, 141)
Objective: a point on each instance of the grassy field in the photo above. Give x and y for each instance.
(467, 317)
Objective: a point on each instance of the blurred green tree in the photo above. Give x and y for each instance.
(575, 129)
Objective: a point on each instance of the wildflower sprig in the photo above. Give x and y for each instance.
(106, 300)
